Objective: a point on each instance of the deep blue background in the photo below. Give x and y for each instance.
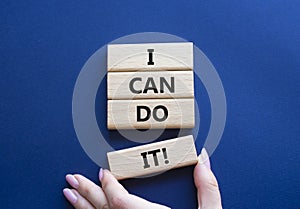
(254, 45)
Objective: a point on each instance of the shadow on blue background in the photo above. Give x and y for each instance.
(254, 46)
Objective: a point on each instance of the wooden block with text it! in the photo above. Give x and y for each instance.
(153, 158)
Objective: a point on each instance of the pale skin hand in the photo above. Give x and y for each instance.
(87, 195)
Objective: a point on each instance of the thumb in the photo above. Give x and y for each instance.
(115, 193)
(208, 192)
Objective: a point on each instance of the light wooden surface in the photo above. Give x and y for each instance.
(153, 158)
(145, 85)
(123, 114)
(135, 57)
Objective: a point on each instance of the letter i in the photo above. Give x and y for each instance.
(150, 62)
(146, 163)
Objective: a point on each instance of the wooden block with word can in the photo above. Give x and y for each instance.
(150, 56)
(153, 158)
(150, 114)
(147, 85)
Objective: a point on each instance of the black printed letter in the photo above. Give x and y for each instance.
(131, 86)
(150, 62)
(138, 116)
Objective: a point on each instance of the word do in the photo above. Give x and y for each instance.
(154, 113)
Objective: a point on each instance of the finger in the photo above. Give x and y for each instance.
(88, 189)
(206, 183)
(116, 194)
(118, 197)
(145, 204)
(78, 201)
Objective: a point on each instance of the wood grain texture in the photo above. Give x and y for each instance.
(153, 158)
(145, 85)
(124, 114)
(135, 57)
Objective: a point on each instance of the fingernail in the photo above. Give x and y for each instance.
(70, 195)
(203, 158)
(100, 174)
(72, 181)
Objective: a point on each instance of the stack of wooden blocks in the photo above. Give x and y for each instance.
(151, 86)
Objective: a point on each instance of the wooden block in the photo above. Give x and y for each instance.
(150, 56)
(153, 158)
(150, 113)
(158, 84)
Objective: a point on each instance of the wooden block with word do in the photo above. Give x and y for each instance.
(153, 158)
(147, 85)
(150, 113)
(150, 56)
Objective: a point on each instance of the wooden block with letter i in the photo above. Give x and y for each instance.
(150, 56)
(153, 158)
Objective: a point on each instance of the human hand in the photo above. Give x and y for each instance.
(112, 195)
